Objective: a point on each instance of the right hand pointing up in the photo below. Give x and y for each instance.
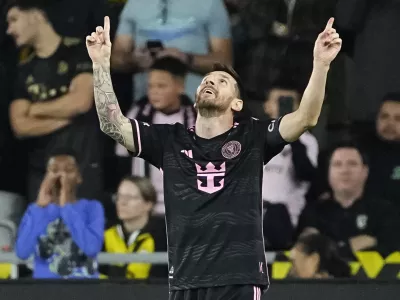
(99, 45)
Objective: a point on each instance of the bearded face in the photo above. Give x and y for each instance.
(216, 94)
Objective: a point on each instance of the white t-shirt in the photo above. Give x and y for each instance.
(139, 165)
(280, 184)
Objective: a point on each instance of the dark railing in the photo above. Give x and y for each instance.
(128, 290)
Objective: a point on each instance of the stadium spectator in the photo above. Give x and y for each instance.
(196, 32)
(278, 230)
(288, 175)
(11, 156)
(11, 202)
(354, 219)
(53, 98)
(137, 232)
(316, 256)
(278, 40)
(165, 103)
(384, 151)
(371, 26)
(62, 231)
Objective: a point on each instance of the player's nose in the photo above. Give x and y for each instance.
(210, 81)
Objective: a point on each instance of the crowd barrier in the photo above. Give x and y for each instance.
(368, 264)
(127, 290)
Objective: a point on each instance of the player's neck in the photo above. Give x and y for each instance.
(47, 42)
(347, 198)
(136, 223)
(210, 127)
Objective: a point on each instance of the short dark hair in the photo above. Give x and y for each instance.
(46, 6)
(63, 151)
(218, 67)
(171, 65)
(329, 259)
(349, 144)
(393, 96)
(145, 186)
(245, 113)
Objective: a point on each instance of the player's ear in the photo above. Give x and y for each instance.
(149, 206)
(180, 83)
(365, 172)
(237, 104)
(38, 15)
(79, 178)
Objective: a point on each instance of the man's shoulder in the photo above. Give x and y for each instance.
(376, 202)
(173, 127)
(324, 202)
(172, 130)
(246, 121)
(251, 123)
(179, 130)
(27, 61)
(73, 48)
(72, 43)
(111, 230)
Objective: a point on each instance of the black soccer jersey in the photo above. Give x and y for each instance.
(46, 79)
(213, 200)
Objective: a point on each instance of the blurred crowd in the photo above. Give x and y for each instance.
(332, 193)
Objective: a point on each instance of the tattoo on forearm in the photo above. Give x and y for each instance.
(110, 116)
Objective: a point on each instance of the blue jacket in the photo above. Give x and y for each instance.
(65, 240)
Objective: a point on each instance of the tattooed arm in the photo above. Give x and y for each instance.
(112, 121)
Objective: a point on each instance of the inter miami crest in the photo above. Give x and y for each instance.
(231, 149)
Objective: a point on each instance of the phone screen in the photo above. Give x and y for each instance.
(154, 46)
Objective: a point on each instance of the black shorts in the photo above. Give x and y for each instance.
(229, 292)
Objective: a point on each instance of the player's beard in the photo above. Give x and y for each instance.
(210, 108)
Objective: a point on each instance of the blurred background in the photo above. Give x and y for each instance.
(331, 199)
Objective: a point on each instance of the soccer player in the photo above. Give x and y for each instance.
(212, 172)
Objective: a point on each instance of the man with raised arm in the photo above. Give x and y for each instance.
(212, 172)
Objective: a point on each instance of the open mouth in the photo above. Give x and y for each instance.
(209, 91)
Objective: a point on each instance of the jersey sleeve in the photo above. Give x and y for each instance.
(150, 141)
(268, 133)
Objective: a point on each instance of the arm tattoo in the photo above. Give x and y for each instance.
(112, 122)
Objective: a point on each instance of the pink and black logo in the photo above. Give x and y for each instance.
(231, 149)
(210, 178)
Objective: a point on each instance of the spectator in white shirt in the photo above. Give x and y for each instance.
(288, 175)
(165, 103)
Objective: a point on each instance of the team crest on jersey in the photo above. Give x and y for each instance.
(231, 149)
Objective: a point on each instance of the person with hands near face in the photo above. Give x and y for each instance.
(68, 185)
(63, 233)
(52, 102)
(48, 190)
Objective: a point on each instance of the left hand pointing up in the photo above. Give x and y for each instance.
(327, 45)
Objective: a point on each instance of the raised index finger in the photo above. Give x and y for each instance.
(330, 23)
(107, 28)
